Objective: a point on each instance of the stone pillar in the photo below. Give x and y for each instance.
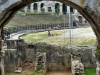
(2, 54)
(46, 9)
(68, 9)
(97, 55)
(25, 9)
(53, 9)
(61, 10)
(31, 8)
(39, 8)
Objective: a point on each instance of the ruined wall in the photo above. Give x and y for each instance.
(10, 60)
(58, 58)
(61, 56)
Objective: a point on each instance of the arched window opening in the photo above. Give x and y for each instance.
(35, 7)
(57, 8)
(64, 9)
(71, 10)
(42, 7)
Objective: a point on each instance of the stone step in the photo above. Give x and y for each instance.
(18, 71)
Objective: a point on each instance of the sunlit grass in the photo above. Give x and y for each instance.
(40, 36)
(90, 71)
(22, 74)
(27, 13)
(58, 37)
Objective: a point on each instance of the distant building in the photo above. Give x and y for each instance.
(49, 7)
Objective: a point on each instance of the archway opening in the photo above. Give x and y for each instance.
(42, 7)
(64, 9)
(71, 10)
(35, 7)
(57, 8)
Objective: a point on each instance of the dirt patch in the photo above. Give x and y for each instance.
(59, 73)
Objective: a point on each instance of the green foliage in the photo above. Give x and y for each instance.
(40, 36)
(49, 9)
(35, 37)
(43, 9)
(58, 9)
(35, 73)
(90, 71)
(97, 49)
(27, 13)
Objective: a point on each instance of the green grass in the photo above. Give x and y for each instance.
(90, 71)
(89, 42)
(35, 73)
(41, 36)
(27, 13)
(58, 38)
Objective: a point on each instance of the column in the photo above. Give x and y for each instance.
(61, 12)
(46, 9)
(68, 9)
(25, 9)
(39, 8)
(53, 9)
(31, 8)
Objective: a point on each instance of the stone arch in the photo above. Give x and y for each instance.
(57, 7)
(35, 5)
(80, 19)
(28, 8)
(64, 9)
(8, 12)
(10, 7)
(42, 7)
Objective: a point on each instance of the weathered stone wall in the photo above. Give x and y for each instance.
(58, 58)
(62, 55)
(10, 60)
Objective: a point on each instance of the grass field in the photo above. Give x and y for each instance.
(91, 71)
(22, 74)
(80, 36)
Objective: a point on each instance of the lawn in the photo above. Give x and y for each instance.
(27, 12)
(22, 74)
(91, 71)
(81, 36)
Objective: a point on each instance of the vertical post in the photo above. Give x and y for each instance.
(70, 28)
